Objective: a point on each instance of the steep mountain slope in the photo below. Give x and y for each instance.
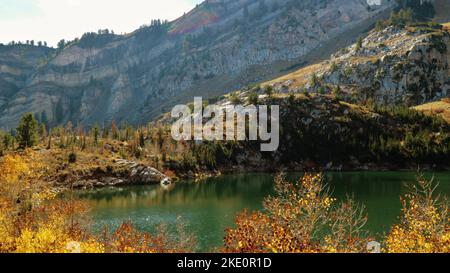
(16, 65)
(352, 111)
(391, 66)
(442, 8)
(218, 47)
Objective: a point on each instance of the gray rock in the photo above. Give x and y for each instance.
(132, 173)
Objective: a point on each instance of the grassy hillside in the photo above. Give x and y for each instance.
(439, 108)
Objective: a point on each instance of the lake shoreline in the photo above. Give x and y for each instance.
(98, 180)
(204, 174)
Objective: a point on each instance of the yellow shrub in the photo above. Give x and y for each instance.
(300, 219)
(92, 246)
(7, 242)
(11, 168)
(424, 226)
(32, 220)
(43, 240)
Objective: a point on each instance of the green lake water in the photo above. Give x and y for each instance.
(209, 207)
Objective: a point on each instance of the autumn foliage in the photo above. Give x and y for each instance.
(301, 218)
(127, 239)
(424, 224)
(34, 220)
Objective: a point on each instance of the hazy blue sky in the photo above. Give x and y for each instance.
(52, 20)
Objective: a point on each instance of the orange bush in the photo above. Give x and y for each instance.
(301, 218)
(33, 220)
(127, 239)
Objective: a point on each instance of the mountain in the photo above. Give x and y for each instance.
(17, 64)
(390, 66)
(442, 8)
(220, 46)
(381, 103)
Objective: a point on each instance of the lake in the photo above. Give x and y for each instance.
(210, 206)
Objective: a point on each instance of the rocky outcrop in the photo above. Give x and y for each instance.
(217, 47)
(123, 173)
(390, 66)
(396, 65)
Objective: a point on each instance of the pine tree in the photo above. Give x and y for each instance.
(27, 131)
(253, 98)
(61, 44)
(7, 141)
(42, 131)
(379, 26)
(268, 90)
(359, 44)
(95, 133)
(314, 80)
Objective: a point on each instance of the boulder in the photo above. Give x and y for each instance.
(122, 173)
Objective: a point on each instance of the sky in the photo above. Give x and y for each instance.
(53, 20)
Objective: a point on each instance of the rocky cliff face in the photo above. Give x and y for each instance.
(395, 66)
(390, 66)
(218, 47)
(16, 66)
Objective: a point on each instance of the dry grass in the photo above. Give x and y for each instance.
(447, 26)
(301, 76)
(441, 108)
(88, 161)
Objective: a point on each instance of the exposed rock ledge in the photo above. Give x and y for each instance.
(123, 173)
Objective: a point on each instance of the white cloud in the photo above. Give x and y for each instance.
(67, 19)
